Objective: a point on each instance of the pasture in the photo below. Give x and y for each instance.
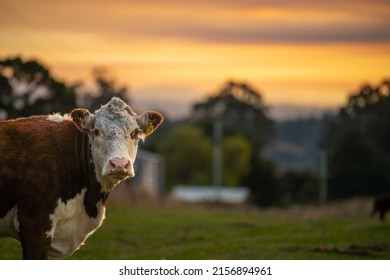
(342, 231)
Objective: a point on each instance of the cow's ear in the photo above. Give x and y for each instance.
(149, 121)
(83, 119)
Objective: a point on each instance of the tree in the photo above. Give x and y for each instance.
(27, 88)
(187, 152)
(242, 110)
(358, 141)
(237, 153)
(263, 182)
(357, 167)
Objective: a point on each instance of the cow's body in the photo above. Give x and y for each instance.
(381, 206)
(53, 181)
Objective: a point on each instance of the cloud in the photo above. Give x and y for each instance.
(278, 33)
(228, 21)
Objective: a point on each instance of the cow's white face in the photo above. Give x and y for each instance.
(114, 132)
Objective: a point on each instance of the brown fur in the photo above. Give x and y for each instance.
(41, 161)
(45, 161)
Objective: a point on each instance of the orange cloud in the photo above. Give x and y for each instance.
(294, 51)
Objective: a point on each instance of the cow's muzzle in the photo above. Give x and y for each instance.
(119, 167)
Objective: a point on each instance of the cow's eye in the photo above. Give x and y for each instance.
(96, 132)
(134, 134)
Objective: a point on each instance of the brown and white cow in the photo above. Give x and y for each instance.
(380, 206)
(56, 173)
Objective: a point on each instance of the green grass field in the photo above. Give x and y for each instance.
(135, 232)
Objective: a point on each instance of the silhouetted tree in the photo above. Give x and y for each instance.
(358, 141)
(242, 110)
(27, 88)
(263, 183)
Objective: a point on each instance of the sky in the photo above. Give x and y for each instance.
(171, 54)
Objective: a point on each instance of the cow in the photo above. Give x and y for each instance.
(380, 206)
(56, 173)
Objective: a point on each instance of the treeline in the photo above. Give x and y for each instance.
(234, 120)
(28, 88)
(357, 141)
(189, 148)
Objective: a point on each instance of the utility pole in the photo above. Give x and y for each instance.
(217, 151)
(323, 166)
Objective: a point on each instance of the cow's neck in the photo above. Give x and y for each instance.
(94, 192)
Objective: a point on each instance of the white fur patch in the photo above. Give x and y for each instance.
(58, 117)
(71, 225)
(9, 224)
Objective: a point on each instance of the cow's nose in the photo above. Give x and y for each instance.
(119, 165)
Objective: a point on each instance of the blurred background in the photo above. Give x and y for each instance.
(271, 103)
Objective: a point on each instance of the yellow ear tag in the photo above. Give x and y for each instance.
(149, 130)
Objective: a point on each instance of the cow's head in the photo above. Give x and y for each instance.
(114, 131)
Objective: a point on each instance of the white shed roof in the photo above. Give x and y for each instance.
(210, 193)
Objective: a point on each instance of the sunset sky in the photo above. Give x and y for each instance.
(302, 52)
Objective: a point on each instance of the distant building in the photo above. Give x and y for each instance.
(194, 194)
(147, 183)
